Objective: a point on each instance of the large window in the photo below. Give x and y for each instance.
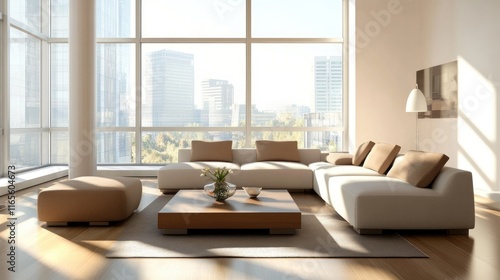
(25, 86)
(209, 75)
(180, 70)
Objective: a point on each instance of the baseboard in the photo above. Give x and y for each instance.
(488, 200)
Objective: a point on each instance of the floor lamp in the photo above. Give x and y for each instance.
(416, 103)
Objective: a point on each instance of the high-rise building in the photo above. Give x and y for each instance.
(114, 107)
(327, 103)
(328, 84)
(169, 93)
(218, 100)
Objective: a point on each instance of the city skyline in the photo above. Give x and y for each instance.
(160, 93)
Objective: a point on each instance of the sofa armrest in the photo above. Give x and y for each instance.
(339, 158)
(457, 186)
(453, 180)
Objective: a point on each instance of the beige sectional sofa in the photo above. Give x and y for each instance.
(374, 189)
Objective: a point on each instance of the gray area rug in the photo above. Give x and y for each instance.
(321, 236)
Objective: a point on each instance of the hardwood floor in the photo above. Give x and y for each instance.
(77, 252)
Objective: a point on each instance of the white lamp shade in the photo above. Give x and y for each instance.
(416, 101)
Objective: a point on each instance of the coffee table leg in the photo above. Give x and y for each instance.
(175, 231)
(282, 231)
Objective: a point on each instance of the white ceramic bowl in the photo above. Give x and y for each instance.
(252, 191)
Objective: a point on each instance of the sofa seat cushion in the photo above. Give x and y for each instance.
(323, 171)
(276, 174)
(186, 175)
(379, 202)
(342, 170)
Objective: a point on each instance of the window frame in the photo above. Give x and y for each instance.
(248, 129)
(3, 100)
(46, 41)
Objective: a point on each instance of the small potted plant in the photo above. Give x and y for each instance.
(219, 188)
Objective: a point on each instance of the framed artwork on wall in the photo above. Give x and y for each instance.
(439, 84)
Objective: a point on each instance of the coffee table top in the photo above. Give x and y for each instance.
(193, 209)
(196, 201)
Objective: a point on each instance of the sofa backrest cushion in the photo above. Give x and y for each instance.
(361, 152)
(339, 158)
(211, 150)
(418, 168)
(277, 150)
(244, 155)
(381, 157)
(310, 155)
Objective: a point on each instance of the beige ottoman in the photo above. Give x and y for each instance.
(97, 200)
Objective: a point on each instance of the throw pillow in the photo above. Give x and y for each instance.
(211, 150)
(381, 156)
(339, 158)
(361, 152)
(277, 150)
(418, 168)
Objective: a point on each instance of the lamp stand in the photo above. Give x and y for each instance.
(416, 131)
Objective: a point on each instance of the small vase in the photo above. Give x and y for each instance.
(220, 190)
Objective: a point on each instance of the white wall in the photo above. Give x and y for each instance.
(387, 34)
(422, 34)
(467, 31)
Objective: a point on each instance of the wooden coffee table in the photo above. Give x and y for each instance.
(192, 209)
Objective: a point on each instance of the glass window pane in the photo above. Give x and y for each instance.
(115, 18)
(162, 147)
(59, 15)
(193, 18)
(115, 85)
(25, 150)
(59, 147)
(297, 18)
(59, 85)
(332, 141)
(25, 75)
(115, 147)
(193, 85)
(27, 12)
(297, 85)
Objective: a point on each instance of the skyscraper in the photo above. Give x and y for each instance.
(218, 100)
(327, 102)
(169, 93)
(328, 84)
